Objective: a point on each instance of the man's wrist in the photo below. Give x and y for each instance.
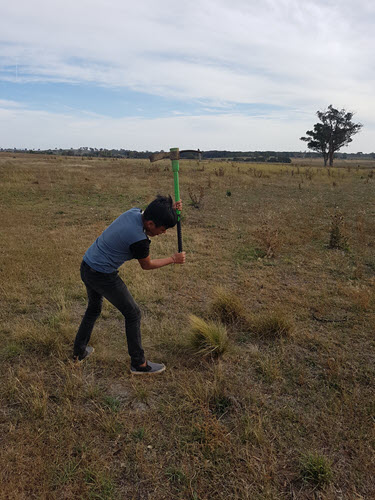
(173, 260)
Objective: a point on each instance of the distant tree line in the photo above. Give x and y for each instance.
(236, 156)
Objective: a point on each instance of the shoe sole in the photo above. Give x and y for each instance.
(148, 373)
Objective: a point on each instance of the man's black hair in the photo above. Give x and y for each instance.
(161, 212)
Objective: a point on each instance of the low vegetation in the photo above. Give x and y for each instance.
(276, 398)
(208, 338)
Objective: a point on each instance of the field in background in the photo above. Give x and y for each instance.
(274, 418)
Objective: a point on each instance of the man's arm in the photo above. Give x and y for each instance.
(147, 264)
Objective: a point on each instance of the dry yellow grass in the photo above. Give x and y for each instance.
(236, 430)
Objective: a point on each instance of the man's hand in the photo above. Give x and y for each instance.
(179, 258)
(177, 205)
(148, 264)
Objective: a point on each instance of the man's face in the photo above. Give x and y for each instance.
(152, 230)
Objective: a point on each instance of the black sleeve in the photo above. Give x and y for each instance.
(140, 249)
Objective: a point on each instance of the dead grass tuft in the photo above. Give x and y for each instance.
(337, 238)
(269, 235)
(227, 307)
(271, 325)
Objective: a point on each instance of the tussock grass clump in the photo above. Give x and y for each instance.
(315, 469)
(208, 337)
(227, 307)
(273, 324)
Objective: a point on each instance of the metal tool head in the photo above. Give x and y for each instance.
(173, 155)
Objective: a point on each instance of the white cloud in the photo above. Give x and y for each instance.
(299, 55)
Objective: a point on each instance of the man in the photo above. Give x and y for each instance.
(125, 239)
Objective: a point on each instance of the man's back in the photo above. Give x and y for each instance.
(112, 248)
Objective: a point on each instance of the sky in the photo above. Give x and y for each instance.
(244, 75)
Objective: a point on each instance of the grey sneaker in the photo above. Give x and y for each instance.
(149, 369)
(88, 351)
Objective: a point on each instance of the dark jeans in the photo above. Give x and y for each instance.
(110, 286)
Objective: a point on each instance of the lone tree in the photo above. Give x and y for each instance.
(334, 131)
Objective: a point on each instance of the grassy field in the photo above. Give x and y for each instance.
(286, 411)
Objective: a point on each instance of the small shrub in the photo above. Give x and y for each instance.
(257, 173)
(208, 337)
(196, 199)
(337, 239)
(270, 239)
(315, 469)
(309, 174)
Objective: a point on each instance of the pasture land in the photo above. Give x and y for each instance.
(287, 412)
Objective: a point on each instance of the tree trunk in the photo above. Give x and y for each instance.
(331, 158)
(330, 151)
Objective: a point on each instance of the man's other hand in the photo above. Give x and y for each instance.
(177, 205)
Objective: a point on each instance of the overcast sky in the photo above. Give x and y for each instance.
(208, 74)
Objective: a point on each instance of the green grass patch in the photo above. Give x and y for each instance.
(316, 469)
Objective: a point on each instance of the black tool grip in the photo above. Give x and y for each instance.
(179, 236)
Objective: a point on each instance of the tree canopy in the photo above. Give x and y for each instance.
(334, 131)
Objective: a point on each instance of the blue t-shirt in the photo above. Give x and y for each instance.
(116, 243)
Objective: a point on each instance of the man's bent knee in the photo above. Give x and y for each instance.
(94, 311)
(133, 314)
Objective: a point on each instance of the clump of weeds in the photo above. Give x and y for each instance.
(271, 325)
(196, 198)
(337, 238)
(269, 236)
(227, 307)
(209, 338)
(315, 469)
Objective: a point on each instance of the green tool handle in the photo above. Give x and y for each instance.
(176, 168)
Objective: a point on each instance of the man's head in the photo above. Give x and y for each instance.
(159, 216)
